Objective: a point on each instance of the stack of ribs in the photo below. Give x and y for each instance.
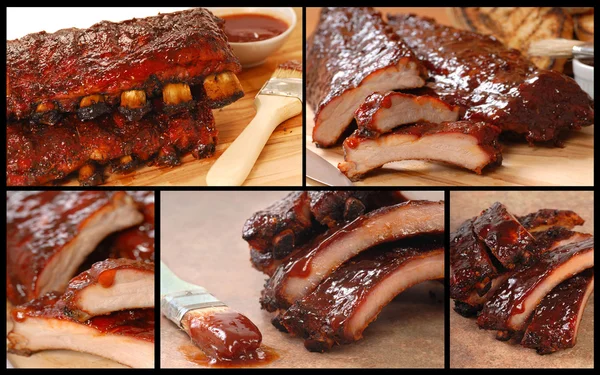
(423, 91)
(116, 95)
(106, 309)
(336, 258)
(528, 277)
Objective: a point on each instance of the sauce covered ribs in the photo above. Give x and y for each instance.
(526, 277)
(362, 249)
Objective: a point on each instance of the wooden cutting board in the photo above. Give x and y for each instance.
(523, 165)
(475, 348)
(280, 162)
(202, 244)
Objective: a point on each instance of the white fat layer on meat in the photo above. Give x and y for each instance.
(410, 110)
(37, 334)
(458, 149)
(63, 265)
(335, 117)
(406, 219)
(573, 266)
(407, 275)
(131, 289)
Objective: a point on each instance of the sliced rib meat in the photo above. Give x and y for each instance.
(553, 238)
(305, 269)
(333, 208)
(111, 285)
(126, 337)
(494, 83)
(471, 267)
(345, 303)
(50, 233)
(506, 238)
(465, 144)
(352, 54)
(280, 227)
(547, 218)
(556, 320)
(380, 113)
(517, 298)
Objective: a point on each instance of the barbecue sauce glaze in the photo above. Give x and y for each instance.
(243, 28)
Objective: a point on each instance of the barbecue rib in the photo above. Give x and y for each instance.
(302, 272)
(517, 298)
(37, 154)
(468, 145)
(547, 218)
(556, 320)
(351, 54)
(344, 304)
(110, 285)
(50, 233)
(380, 113)
(553, 238)
(110, 63)
(493, 83)
(125, 336)
(506, 238)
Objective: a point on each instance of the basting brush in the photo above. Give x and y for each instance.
(278, 100)
(219, 331)
(561, 48)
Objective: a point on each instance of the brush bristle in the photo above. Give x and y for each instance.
(553, 47)
(287, 73)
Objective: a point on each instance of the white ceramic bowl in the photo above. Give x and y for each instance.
(584, 75)
(254, 53)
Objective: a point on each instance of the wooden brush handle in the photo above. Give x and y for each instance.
(235, 164)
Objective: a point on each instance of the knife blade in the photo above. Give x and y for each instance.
(322, 171)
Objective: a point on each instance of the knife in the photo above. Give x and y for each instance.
(209, 322)
(322, 171)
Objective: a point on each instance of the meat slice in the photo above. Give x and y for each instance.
(352, 54)
(380, 113)
(126, 337)
(471, 267)
(307, 268)
(554, 238)
(49, 234)
(493, 83)
(547, 218)
(469, 145)
(345, 303)
(506, 238)
(333, 208)
(280, 227)
(556, 320)
(518, 297)
(110, 285)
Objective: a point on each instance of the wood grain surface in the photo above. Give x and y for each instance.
(201, 242)
(523, 165)
(472, 347)
(280, 162)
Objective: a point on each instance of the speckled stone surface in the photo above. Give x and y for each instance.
(201, 242)
(472, 347)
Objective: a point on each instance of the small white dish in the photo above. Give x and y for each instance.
(584, 75)
(255, 53)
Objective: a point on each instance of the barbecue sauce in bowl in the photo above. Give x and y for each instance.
(244, 28)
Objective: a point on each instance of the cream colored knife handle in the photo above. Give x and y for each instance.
(235, 164)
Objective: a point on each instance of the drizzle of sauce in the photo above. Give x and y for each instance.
(107, 278)
(261, 357)
(243, 28)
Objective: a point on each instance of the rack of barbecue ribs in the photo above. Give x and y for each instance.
(105, 308)
(449, 102)
(116, 95)
(328, 289)
(526, 277)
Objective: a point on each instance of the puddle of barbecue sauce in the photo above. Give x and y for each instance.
(243, 28)
(261, 357)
